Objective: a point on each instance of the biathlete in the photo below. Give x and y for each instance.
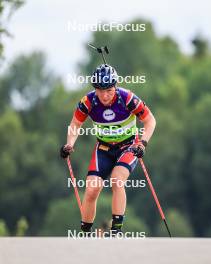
(114, 111)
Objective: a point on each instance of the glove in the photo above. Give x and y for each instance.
(139, 149)
(66, 150)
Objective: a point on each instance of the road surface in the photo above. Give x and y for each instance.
(53, 250)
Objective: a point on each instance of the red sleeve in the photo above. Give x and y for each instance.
(143, 112)
(80, 116)
(83, 109)
(137, 106)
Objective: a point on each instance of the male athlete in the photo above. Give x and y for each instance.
(113, 111)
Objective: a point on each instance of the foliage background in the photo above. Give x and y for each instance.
(36, 108)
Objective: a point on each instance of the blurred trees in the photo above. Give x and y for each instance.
(29, 147)
(180, 226)
(201, 47)
(7, 8)
(36, 109)
(3, 228)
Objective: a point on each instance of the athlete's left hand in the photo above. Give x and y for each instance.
(138, 149)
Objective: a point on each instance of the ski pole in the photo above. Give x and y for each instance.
(154, 195)
(74, 185)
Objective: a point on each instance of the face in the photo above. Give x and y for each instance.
(106, 96)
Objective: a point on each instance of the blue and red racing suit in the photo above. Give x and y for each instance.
(115, 129)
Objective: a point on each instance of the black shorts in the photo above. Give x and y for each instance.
(105, 157)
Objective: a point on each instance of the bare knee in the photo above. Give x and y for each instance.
(94, 185)
(92, 193)
(118, 178)
(117, 185)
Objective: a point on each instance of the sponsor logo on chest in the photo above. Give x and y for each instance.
(109, 114)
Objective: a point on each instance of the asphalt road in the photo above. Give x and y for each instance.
(103, 251)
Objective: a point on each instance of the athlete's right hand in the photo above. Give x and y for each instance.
(66, 150)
